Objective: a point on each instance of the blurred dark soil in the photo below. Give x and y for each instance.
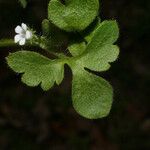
(31, 119)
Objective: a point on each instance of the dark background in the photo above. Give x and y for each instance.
(31, 119)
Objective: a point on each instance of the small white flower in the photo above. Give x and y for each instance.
(23, 34)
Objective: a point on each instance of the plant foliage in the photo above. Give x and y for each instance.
(91, 46)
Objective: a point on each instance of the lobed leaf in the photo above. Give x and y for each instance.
(69, 16)
(36, 69)
(100, 51)
(92, 95)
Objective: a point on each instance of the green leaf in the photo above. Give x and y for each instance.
(100, 60)
(79, 43)
(92, 95)
(36, 69)
(101, 51)
(74, 15)
(77, 48)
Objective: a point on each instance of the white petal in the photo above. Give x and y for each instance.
(24, 26)
(17, 38)
(18, 29)
(22, 41)
(28, 35)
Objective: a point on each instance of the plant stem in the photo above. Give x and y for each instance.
(7, 43)
(10, 43)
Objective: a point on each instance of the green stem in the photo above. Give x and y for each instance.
(7, 43)
(40, 42)
(10, 43)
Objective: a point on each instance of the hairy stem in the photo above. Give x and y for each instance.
(39, 43)
(7, 43)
